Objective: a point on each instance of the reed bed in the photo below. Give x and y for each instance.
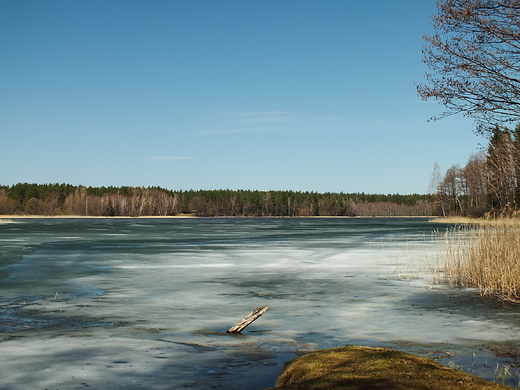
(486, 256)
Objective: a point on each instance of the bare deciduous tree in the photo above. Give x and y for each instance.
(435, 179)
(451, 191)
(474, 59)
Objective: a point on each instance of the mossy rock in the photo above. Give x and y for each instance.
(373, 368)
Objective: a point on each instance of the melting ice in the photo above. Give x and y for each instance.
(145, 303)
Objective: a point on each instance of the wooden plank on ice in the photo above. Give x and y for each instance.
(247, 320)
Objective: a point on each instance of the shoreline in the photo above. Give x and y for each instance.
(181, 216)
(475, 221)
(11, 216)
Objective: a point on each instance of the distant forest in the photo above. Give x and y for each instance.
(67, 199)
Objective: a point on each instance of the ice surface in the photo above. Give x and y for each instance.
(144, 304)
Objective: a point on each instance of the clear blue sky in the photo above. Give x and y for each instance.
(204, 94)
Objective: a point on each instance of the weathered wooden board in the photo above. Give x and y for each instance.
(247, 320)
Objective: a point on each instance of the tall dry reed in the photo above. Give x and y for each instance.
(485, 256)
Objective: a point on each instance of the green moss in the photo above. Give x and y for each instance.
(373, 368)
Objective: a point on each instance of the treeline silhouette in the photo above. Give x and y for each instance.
(67, 199)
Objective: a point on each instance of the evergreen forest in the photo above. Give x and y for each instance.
(66, 199)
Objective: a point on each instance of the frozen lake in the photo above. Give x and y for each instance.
(145, 303)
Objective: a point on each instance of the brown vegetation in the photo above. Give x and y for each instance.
(485, 255)
(363, 368)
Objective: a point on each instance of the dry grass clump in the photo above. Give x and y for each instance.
(459, 220)
(373, 368)
(485, 256)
